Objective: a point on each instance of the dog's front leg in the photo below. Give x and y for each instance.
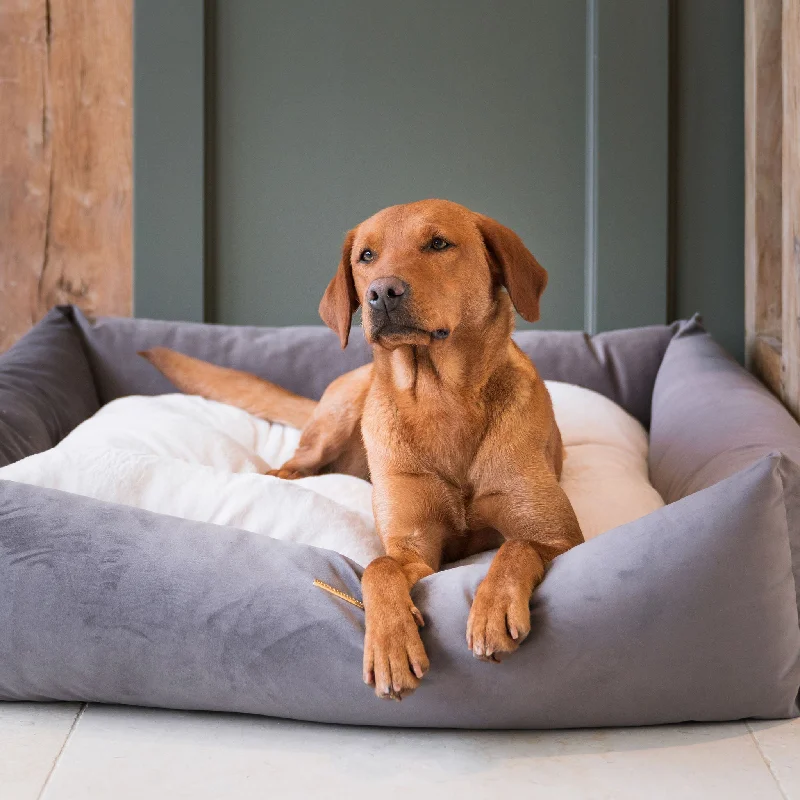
(331, 439)
(413, 527)
(538, 523)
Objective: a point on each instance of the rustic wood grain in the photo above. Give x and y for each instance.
(763, 159)
(790, 340)
(772, 195)
(766, 362)
(65, 159)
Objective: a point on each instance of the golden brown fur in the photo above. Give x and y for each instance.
(460, 438)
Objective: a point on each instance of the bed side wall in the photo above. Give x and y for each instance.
(621, 365)
(46, 387)
(711, 418)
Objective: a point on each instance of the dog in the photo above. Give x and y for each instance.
(450, 422)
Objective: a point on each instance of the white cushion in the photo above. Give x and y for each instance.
(194, 458)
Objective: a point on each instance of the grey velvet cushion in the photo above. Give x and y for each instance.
(622, 365)
(690, 613)
(741, 420)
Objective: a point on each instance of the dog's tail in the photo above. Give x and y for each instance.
(241, 389)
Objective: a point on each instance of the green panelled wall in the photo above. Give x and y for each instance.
(551, 115)
(632, 163)
(168, 156)
(328, 112)
(708, 181)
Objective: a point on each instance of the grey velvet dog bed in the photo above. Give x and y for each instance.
(690, 613)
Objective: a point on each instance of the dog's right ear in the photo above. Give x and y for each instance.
(340, 300)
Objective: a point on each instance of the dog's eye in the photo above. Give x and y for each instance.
(366, 256)
(437, 243)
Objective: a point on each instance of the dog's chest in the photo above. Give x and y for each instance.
(440, 426)
(441, 435)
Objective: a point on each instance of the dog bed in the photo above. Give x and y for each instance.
(687, 613)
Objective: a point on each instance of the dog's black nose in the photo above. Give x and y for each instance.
(385, 294)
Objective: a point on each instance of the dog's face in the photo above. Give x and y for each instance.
(424, 271)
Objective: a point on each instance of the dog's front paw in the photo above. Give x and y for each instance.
(499, 620)
(394, 656)
(286, 474)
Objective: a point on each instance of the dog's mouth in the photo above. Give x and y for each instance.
(392, 333)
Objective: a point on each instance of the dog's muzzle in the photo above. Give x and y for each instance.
(390, 310)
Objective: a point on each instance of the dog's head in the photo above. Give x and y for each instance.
(426, 270)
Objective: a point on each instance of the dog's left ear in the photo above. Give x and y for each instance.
(340, 300)
(514, 266)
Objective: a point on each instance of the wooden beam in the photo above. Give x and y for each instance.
(65, 159)
(766, 358)
(763, 137)
(790, 350)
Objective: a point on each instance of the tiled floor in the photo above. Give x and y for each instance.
(61, 752)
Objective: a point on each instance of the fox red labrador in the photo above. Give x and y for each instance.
(451, 423)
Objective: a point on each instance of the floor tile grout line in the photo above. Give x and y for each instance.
(766, 761)
(60, 753)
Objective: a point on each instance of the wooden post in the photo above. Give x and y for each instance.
(763, 233)
(790, 356)
(65, 159)
(772, 195)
